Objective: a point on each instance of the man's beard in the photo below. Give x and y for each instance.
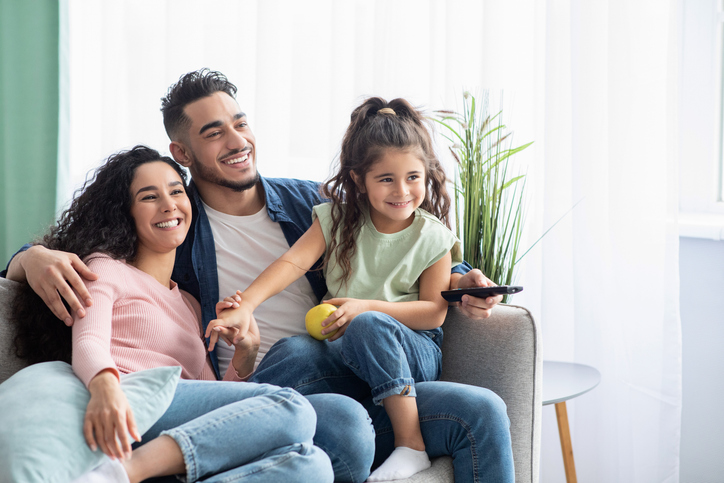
(210, 176)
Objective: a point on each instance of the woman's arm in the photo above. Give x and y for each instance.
(275, 278)
(109, 418)
(424, 314)
(92, 333)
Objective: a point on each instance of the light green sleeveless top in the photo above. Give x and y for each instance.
(388, 266)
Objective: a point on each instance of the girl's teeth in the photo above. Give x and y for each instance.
(168, 224)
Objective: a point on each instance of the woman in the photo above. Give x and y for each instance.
(126, 225)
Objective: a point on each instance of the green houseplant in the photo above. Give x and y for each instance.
(489, 192)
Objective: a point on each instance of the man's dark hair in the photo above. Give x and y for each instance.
(189, 88)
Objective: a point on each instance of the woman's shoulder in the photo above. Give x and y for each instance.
(103, 260)
(109, 270)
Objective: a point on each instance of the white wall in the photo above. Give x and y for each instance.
(702, 325)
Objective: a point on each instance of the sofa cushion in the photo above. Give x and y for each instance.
(41, 422)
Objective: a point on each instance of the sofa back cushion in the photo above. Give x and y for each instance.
(9, 363)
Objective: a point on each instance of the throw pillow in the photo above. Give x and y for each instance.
(41, 419)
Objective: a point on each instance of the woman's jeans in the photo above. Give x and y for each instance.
(469, 423)
(232, 431)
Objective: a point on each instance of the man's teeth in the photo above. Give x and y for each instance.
(237, 160)
(168, 224)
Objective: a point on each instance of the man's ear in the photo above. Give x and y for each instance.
(180, 153)
(358, 181)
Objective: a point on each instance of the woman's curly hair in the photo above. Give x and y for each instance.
(369, 135)
(98, 221)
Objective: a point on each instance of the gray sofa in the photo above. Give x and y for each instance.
(501, 353)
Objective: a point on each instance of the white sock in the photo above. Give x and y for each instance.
(402, 463)
(111, 471)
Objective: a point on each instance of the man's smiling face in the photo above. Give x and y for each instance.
(220, 144)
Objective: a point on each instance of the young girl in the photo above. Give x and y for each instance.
(387, 257)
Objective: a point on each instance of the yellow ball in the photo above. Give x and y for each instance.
(313, 320)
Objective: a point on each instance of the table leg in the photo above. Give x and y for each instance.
(564, 432)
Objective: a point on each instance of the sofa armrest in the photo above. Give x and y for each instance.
(9, 363)
(501, 353)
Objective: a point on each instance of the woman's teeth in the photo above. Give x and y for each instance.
(168, 224)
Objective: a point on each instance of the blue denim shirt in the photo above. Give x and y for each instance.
(289, 202)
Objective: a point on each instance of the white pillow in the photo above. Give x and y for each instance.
(41, 419)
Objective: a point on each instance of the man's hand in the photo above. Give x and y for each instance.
(54, 274)
(245, 351)
(474, 307)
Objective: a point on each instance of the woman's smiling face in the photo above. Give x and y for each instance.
(160, 208)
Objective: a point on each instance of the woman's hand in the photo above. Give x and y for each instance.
(348, 310)
(474, 307)
(108, 417)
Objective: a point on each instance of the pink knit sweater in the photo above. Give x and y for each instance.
(136, 323)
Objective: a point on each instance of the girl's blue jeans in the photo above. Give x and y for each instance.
(235, 431)
(469, 423)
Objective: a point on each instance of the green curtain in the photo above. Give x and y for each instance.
(29, 94)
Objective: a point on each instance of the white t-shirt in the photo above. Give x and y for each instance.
(245, 246)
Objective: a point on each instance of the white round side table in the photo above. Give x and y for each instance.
(563, 381)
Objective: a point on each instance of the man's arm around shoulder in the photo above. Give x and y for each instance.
(53, 274)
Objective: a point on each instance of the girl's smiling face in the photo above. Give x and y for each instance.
(160, 208)
(395, 188)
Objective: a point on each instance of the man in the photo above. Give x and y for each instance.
(241, 223)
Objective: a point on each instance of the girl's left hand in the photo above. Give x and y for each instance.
(339, 319)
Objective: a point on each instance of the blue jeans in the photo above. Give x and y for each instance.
(389, 356)
(230, 431)
(469, 423)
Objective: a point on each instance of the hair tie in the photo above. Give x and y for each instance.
(387, 110)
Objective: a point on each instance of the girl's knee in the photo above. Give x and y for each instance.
(371, 325)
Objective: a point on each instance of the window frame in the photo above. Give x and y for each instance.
(701, 119)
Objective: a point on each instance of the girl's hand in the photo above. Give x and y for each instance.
(348, 310)
(109, 418)
(231, 302)
(231, 323)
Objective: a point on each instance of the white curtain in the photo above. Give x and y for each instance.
(593, 83)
